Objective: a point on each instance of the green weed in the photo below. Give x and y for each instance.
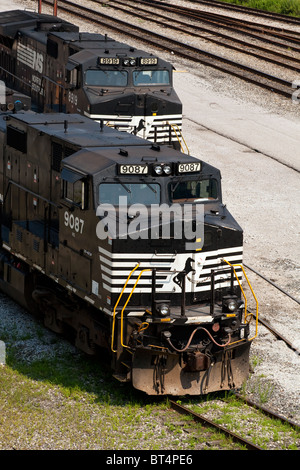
(283, 7)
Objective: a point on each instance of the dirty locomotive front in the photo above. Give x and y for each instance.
(65, 70)
(128, 245)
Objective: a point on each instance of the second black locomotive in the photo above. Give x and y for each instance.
(65, 70)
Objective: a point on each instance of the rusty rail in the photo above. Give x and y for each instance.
(207, 422)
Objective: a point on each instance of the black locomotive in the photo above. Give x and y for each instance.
(65, 70)
(128, 245)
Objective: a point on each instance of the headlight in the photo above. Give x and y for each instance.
(230, 303)
(129, 61)
(163, 310)
(158, 169)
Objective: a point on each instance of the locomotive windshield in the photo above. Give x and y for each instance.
(151, 77)
(194, 190)
(106, 78)
(146, 193)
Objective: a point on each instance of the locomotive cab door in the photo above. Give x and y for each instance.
(56, 99)
(75, 261)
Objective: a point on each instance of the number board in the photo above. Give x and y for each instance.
(109, 61)
(189, 167)
(133, 169)
(148, 61)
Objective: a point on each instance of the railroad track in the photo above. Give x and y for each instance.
(264, 322)
(248, 10)
(181, 49)
(232, 435)
(221, 39)
(226, 21)
(273, 284)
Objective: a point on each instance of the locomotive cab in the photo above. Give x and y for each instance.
(163, 235)
(127, 89)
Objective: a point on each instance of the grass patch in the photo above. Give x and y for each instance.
(66, 401)
(250, 423)
(283, 7)
(52, 397)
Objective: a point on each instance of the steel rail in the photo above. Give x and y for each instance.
(267, 411)
(260, 37)
(239, 439)
(264, 322)
(278, 335)
(207, 422)
(272, 283)
(248, 10)
(194, 31)
(223, 20)
(241, 71)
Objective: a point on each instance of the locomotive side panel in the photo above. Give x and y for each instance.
(76, 232)
(31, 67)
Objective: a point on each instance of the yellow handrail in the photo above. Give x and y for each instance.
(114, 313)
(173, 127)
(145, 270)
(139, 276)
(245, 299)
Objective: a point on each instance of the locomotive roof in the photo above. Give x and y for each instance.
(99, 149)
(13, 21)
(93, 160)
(85, 40)
(80, 130)
(91, 41)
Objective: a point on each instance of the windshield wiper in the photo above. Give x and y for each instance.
(149, 186)
(124, 186)
(173, 188)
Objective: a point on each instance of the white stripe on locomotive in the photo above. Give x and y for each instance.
(112, 277)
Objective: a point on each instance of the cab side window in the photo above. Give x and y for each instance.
(74, 192)
(74, 188)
